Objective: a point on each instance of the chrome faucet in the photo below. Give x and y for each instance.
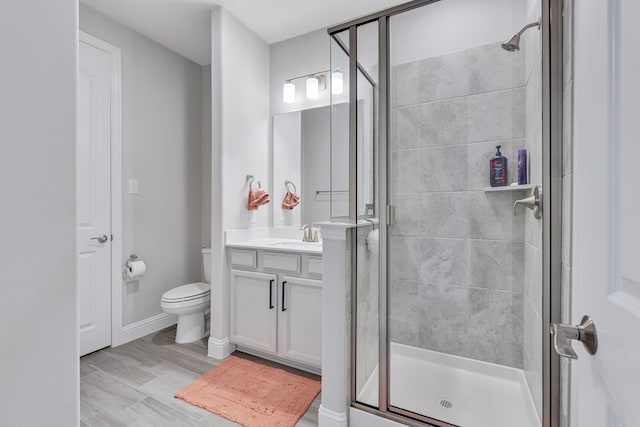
(309, 234)
(306, 233)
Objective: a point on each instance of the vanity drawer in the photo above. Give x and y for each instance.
(314, 266)
(240, 258)
(281, 262)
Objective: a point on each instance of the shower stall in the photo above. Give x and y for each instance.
(453, 280)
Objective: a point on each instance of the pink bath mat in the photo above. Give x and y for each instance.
(252, 394)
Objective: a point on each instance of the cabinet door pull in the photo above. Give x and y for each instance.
(271, 294)
(283, 295)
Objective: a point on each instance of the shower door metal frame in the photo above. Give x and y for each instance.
(552, 105)
(552, 151)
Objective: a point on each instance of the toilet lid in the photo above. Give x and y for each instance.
(190, 291)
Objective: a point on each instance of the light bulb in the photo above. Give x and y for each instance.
(312, 88)
(337, 82)
(288, 93)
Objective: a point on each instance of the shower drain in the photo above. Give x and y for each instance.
(446, 403)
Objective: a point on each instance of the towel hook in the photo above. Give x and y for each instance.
(288, 183)
(251, 184)
(250, 180)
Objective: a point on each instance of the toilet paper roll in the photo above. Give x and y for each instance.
(136, 269)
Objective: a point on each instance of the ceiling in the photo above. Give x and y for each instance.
(183, 25)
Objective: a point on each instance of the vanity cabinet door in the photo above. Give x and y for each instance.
(300, 311)
(253, 310)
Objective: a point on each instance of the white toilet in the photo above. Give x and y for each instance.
(190, 302)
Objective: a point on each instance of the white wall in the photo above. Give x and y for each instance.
(240, 145)
(245, 114)
(453, 25)
(206, 157)
(219, 328)
(298, 56)
(39, 374)
(162, 146)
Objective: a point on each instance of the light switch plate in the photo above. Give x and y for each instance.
(133, 186)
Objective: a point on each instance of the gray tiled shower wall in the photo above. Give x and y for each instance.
(457, 252)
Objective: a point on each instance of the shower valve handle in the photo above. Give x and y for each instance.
(585, 332)
(533, 202)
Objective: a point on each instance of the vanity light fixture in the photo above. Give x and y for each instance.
(288, 92)
(314, 83)
(312, 87)
(337, 82)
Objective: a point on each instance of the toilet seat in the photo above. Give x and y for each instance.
(189, 292)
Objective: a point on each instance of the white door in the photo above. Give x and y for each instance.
(93, 198)
(253, 310)
(605, 389)
(300, 325)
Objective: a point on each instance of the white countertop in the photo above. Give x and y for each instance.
(278, 244)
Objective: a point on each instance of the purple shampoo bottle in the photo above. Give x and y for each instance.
(522, 167)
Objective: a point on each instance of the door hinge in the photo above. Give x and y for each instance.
(112, 237)
(391, 211)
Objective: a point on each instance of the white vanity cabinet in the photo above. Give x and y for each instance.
(276, 305)
(253, 310)
(300, 321)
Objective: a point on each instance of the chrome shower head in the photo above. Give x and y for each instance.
(513, 44)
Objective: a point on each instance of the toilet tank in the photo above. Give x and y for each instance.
(206, 260)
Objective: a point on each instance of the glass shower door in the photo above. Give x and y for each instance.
(464, 274)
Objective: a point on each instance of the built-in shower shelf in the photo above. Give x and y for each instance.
(508, 188)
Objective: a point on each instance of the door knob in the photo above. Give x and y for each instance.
(533, 202)
(101, 238)
(585, 332)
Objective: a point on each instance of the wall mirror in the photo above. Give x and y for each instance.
(301, 162)
(311, 156)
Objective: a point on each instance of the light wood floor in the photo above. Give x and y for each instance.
(134, 384)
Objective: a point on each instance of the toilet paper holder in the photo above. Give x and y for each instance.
(134, 267)
(132, 257)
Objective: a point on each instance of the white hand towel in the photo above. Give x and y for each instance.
(373, 242)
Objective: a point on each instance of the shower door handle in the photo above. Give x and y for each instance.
(563, 334)
(533, 202)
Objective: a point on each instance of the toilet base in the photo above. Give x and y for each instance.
(190, 328)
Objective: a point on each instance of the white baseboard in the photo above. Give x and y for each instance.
(329, 418)
(147, 326)
(219, 349)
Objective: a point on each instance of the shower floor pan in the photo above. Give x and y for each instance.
(460, 391)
